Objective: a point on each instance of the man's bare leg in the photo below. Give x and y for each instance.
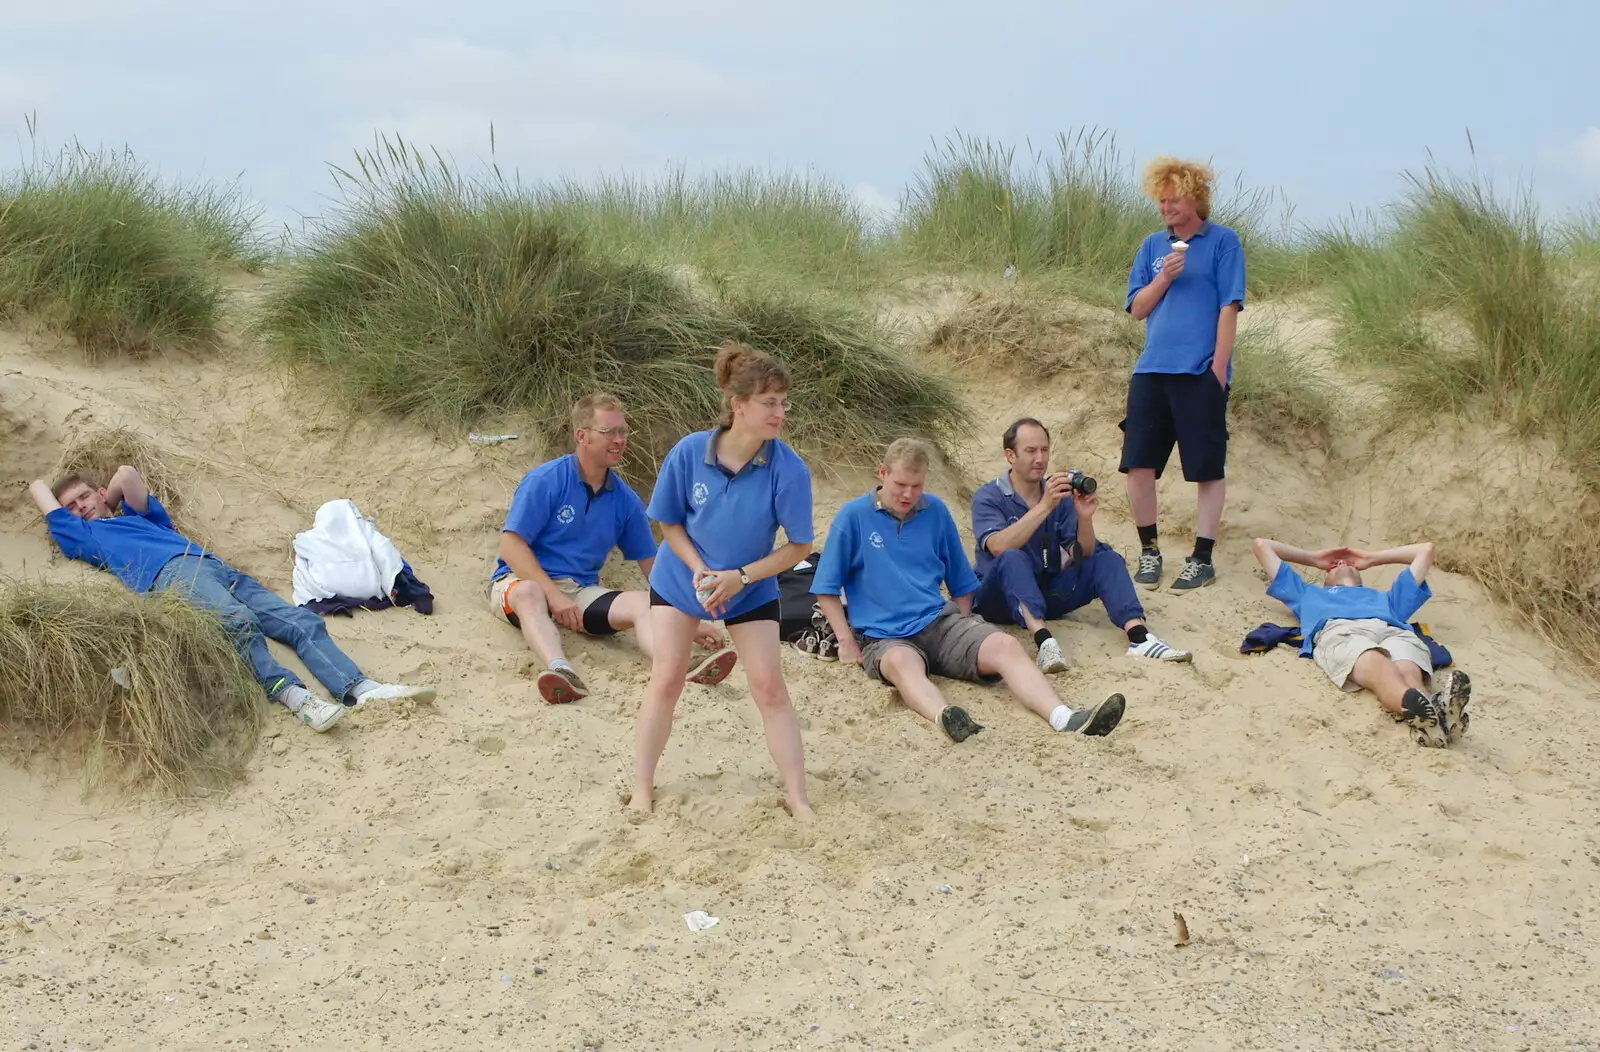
(1387, 678)
(1001, 655)
(905, 671)
(1208, 515)
(1142, 496)
(632, 610)
(541, 633)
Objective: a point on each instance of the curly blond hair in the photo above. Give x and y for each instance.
(1185, 178)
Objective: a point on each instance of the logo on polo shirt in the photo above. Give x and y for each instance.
(875, 539)
(701, 493)
(566, 513)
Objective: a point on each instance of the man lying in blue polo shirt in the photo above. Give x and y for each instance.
(565, 518)
(123, 529)
(888, 553)
(1038, 555)
(1359, 636)
(1187, 285)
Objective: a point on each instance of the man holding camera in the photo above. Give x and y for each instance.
(1037, 553)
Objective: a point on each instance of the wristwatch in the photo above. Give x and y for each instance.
(744, 578)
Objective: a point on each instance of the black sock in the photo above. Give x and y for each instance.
(1138, 634)
(1202, 548)
(1147, 538)
(1040, 636)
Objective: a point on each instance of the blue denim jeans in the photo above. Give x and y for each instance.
(252, 614)
(1012, 582)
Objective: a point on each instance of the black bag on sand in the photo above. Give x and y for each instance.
(800, 620)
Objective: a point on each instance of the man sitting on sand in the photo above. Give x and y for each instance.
(888, 552)
(565, 518)
(125, 530)
(1359, 636)
(1038, 555)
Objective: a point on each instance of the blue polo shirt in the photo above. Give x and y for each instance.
(572, 528)
(133, 546)
(1314, 605)
(890, 570)
(1180, 335)
(996, 506)
(732, 518)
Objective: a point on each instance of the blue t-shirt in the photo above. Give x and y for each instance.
(890, 570)
(731, 518)
(133, 546)
(1180, 335)
(572, 528)
(1314, 605)
(996, 506)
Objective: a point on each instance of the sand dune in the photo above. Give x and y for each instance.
(463, 875)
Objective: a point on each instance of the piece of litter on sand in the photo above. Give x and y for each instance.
(699, 920)
(489, 440)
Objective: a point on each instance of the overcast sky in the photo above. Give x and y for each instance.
(1328, 101)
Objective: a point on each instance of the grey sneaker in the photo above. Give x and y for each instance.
(1098, 720)
(1149, 575)
(1051, 660)
(320, 714)
(1195, 574)
(1452, 704)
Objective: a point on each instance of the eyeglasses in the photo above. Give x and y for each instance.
(770, 404)
(619, 432)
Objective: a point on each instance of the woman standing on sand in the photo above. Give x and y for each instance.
(720, 498)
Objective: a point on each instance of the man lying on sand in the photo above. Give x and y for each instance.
(565, 518)
(1359, 635)
(888, 552)
(126, 531)
(1038, 556)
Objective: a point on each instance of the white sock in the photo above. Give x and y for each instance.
(562, 663)
(293, 697)
(1059, 717)
(363, 686)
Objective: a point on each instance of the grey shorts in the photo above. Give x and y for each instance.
(948, 646)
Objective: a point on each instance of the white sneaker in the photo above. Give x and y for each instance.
(319, 714)
(392, 692)
(1154, 648)
(1051, 660)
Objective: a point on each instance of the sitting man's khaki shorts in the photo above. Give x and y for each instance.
(1341, 642)
(594, 602)
(949, 647)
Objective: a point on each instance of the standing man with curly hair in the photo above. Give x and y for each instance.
(1187, 286)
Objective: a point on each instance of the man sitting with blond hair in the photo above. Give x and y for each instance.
(888, 553)
(566, 516)
(1187, 286)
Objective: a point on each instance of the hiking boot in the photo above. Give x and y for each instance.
(1098, 720)
(1195, 574)
(1425, 716)
(1452, 704)
(1051, 660)
(714, 669)
(1154, 648)
(319, 714)
(956, 724)
(1149, 575)
(559, 686)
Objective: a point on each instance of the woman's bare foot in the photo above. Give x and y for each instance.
(642, 800)
(800, 810)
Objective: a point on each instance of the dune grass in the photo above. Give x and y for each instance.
(1280, 393)
(145, 688)
(448, 298)
(96, 246)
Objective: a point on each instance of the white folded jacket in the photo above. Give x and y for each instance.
(343, 554)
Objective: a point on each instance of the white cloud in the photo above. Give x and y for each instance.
(1586, 150)
(881, 209)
